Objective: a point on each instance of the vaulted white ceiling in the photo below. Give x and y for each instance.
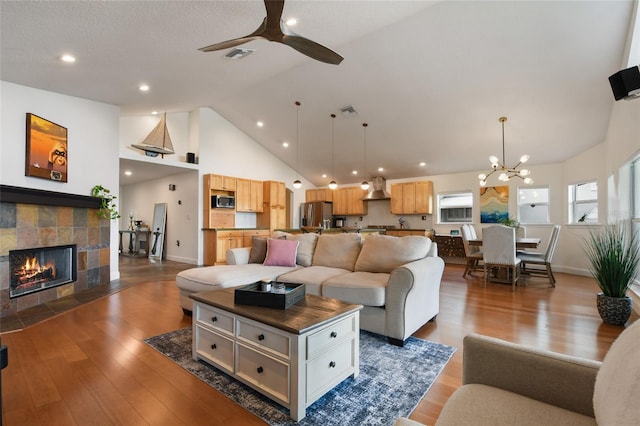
(430, 78)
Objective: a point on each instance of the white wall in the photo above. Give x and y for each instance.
(92, 129)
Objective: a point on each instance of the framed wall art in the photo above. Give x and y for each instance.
(494, 204)
(46, 155)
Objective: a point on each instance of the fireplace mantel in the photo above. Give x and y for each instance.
(15, 194)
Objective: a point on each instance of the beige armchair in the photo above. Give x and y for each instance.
(509, 384)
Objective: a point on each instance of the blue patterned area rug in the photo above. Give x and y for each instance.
(391, 383)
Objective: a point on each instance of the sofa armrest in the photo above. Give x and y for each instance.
(550, 377)
(238, 256)
(412, 296)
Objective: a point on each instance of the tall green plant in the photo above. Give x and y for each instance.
(615, 259)
(108, 207)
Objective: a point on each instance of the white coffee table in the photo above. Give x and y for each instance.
(292, 356)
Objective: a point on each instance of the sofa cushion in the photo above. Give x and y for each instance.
(485, 405)
(258, 250)
(281, 252)
(222, 276)
(384, 253)
(337, 251)
(617, 385)
(306, 247)
(312, 277)
(365, 288)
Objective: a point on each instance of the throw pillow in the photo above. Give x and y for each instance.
(281, 252)
(337, 251)
(384, 253)
(258, 250)
(306, 248)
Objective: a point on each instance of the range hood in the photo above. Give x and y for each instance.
(379, 185)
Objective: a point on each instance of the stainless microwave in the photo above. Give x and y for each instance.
(223, 202)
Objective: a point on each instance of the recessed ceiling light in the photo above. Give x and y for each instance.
(128, 172)
(154, 112)
(292, 21)
(144, 87)
(324, 175)
(422, 164)
(68, 58)
(285, 144)
(381, 169)
(259, 124)
(355, 172)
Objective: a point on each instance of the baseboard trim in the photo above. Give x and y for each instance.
(180, 259)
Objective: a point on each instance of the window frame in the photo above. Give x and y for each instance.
(451, 193)
(572, 202)
(547, 203)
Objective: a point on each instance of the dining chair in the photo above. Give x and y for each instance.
(531, 258)
(473, 255)
(499, 251)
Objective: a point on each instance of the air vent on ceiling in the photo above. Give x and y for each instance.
(238, 53)
(349, 111)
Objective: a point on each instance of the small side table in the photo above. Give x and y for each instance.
(136, 238)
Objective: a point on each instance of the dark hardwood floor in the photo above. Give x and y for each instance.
(89, 365)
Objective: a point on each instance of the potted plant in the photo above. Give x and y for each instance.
(615, 262)
(108, 207)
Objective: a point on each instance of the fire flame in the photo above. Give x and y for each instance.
(32, 267)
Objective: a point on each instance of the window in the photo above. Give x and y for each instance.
(455, 207)
(533, 205)
(583, 202)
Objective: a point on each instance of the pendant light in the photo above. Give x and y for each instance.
(506, 172)
(333, 184)
(296, 183)
(364, 185)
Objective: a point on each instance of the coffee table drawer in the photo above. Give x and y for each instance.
(264, 338)
(328, 336)
(329, 369)
(215, 318)
(264, 372)
(215, 348)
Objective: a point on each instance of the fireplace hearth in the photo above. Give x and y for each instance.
(36, 269)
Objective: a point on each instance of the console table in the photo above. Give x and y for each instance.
(292, 356)
(136, 238)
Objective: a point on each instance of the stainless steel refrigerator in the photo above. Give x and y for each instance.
(314, 213)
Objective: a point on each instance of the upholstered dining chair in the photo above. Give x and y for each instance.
(531, 258)
(472, 254)
(499, 251)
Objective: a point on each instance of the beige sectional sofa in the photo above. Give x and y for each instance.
(397, 279)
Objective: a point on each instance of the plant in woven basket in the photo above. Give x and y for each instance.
(615, 262)
(108, 207)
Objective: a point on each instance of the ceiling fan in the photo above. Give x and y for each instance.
(274, 29)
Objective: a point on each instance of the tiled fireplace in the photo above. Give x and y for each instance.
(67, 226)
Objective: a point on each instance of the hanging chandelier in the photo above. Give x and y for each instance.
(296, 183)
(506, 173)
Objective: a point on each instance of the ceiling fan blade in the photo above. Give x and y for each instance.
(258, 33)
(274, 14)
(312, 49)
(229, 43)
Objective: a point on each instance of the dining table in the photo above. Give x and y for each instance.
(521, 242)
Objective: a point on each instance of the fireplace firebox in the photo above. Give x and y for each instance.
(40, 268)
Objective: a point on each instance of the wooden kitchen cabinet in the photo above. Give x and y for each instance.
(217, 242)
(274, 211)
(349, 201)
(222, 183)
(323, 194)
(247, 235)
(249, 195)
(412, 197)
